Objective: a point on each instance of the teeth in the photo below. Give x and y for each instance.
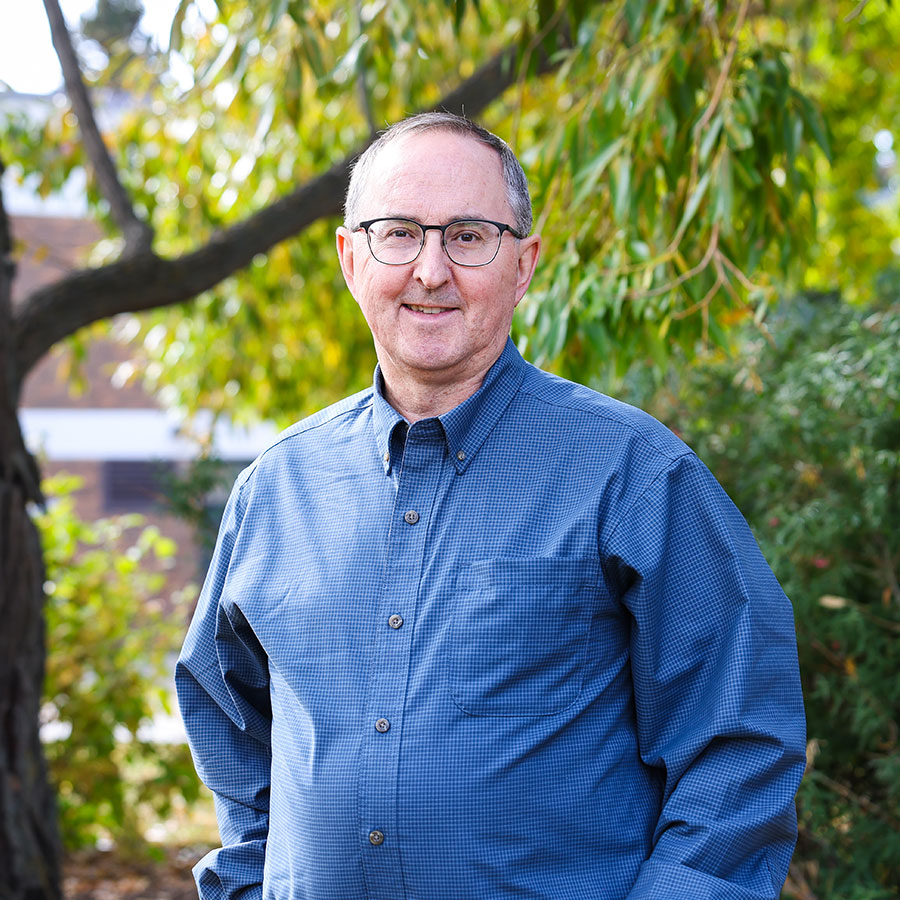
(429, 310)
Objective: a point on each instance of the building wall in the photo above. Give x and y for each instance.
(98, 424)
(66, 409)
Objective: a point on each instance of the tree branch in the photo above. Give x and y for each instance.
(17, 466)
(145, 281)
(137, 234)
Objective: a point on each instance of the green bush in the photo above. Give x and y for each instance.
(803, 431)
(110, 642)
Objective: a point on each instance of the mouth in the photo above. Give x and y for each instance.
(428, 310)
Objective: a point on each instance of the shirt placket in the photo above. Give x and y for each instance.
(380, 832)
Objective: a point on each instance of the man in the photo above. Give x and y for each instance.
(478, 632)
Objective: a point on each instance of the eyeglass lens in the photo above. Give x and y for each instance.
(398, 241)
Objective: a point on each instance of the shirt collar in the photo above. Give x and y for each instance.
(467, 425)
(385, 420)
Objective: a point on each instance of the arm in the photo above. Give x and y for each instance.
(717, 691)
(222, 683)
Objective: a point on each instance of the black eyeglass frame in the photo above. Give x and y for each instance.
(501, 226)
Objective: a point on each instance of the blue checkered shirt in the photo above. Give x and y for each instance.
(526, 649)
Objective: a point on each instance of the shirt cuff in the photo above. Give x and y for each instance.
(659, 880)
(232, 873)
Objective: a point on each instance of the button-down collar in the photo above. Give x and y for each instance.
(466, 426)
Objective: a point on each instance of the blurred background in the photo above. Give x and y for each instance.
(719, 193)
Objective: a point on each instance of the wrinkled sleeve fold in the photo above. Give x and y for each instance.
(716, 691)
(222, 683)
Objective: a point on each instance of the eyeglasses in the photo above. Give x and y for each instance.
(468, 242)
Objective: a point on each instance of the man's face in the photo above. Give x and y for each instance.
(435, 322)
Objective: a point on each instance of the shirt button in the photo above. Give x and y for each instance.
(411, 517)
(395, 621)
(460, 455)
(382, 725)
(387, 456)
(376, 838)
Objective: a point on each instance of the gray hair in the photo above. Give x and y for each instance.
(513, 177)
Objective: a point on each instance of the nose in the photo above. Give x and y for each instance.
(432, 265)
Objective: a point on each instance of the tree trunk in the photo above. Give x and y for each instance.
(29, 844)
(29, 849)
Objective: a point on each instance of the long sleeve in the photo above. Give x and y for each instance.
(527, 650)
(222, 683)
(717, 692)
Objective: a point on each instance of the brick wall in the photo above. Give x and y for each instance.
(46, 249)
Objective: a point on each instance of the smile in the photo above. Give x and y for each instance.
(428, 310)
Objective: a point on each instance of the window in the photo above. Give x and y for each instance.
(134, 486)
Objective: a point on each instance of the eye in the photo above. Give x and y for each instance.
(395, 231)
(468, 233)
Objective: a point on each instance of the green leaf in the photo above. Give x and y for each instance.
(657, 22)
(789, 137)
(723, 211)
(749, 177)
(176, 35)
(709, 136)
(740, 136)
(812, 117)
(645, 87)
(312, 52)
(594, 169)
(209, 73)
(348, 62)
(694, 201)
(276, 11)
(622, 188)
(635, 10)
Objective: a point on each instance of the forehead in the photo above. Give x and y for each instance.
(436, 174)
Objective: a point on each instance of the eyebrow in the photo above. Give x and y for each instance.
(461, 218)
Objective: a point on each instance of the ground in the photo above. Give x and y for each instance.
(116, 876)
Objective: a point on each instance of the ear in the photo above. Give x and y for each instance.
(344, 242)
(529, 251)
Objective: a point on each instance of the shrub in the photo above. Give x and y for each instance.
(111, 640)
(804, 432)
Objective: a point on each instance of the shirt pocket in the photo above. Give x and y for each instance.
(519, 635)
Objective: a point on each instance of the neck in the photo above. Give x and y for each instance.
(415, 399)
(421, 393)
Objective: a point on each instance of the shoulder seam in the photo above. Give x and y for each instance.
(299, 428)
(599, 414)
(670, 466)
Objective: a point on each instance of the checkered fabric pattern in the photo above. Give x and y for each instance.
(527, 649)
